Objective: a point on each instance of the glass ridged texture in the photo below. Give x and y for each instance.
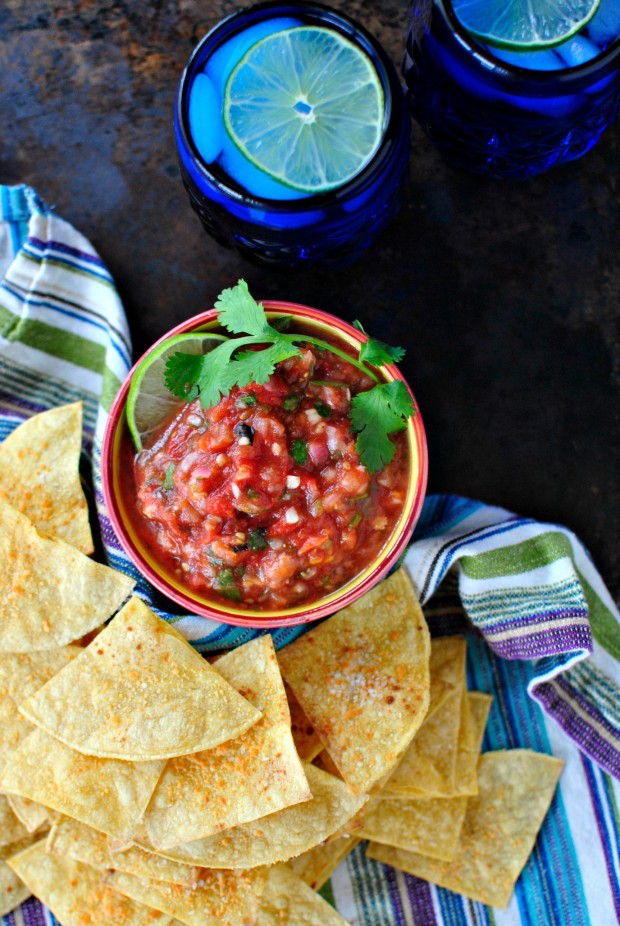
(492, 117)
(329, 228)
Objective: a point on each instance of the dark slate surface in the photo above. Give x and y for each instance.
(506, 295)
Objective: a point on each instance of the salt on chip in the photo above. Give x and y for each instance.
(288, 901)
(430, 826)
(76, 893)
(317, 865)
(84, 844)
(256, 774)
(429, 764)
(281, 835)
(21, 674)
(229, 898)
(502, 821)
(107, 794)
(50, 593)
(362, 679)
(39, 474)
(150, 695)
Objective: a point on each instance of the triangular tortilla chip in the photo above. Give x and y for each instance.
(499, 832)
(150, 695)
(475, 715)
(50, 593)
(229, 898)
(281, 835)
(362, 679)
(76, 893)
(13, 891)
(32, 815)
(307, 743)
(249, 777)
(39, 474)
(317, 865)
(11, 827)
(430, 826)
(288, 901)
(107, 794)
(84, 844)
(429, 763)
(21, 674)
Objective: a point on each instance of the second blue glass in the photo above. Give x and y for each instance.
(510, 114)
(248, 213)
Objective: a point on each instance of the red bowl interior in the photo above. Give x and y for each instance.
(201, 604)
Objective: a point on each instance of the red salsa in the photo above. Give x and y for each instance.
(263, 499)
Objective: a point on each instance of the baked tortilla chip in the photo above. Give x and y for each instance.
(307, 743)
(224, 898)
(11, 827)
(475, 715)
(40, 474)
(256, 774)
(288, 901)
(317, 865)
(107, 794)
(279, 836)
(430, 826)
(50, 593)
(21, 674)
(84, 844)
(499, 831)
(150, 695)
(13, 891)
(362, 679)
(429, 763)
(33, 816)
(77, 894)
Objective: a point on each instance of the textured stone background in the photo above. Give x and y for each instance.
(506, 295)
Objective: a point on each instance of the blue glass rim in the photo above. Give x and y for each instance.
(395, 104)
(598, 67)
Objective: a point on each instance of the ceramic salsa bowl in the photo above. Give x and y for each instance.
(116, 461)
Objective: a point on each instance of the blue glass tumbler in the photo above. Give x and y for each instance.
(487, 114)
(330, 228)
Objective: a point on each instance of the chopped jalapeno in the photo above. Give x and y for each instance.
(299, 451)
(168, 481)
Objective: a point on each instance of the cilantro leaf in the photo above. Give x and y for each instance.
(240, 313)
(182, 373)
(378, 352)
(256, 366)
(375, 414)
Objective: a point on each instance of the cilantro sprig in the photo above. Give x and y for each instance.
(252, 357)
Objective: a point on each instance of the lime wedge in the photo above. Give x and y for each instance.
(149, 402)
(524, 24)
(305, 105)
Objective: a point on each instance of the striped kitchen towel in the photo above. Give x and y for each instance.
(543, 633)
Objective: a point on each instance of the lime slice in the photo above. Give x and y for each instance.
(149, 402)
(305, 105)
(524, 24)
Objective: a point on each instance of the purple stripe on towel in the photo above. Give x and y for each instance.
(600, 743)
(606, 837)
(554, 641)
(421, 900)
